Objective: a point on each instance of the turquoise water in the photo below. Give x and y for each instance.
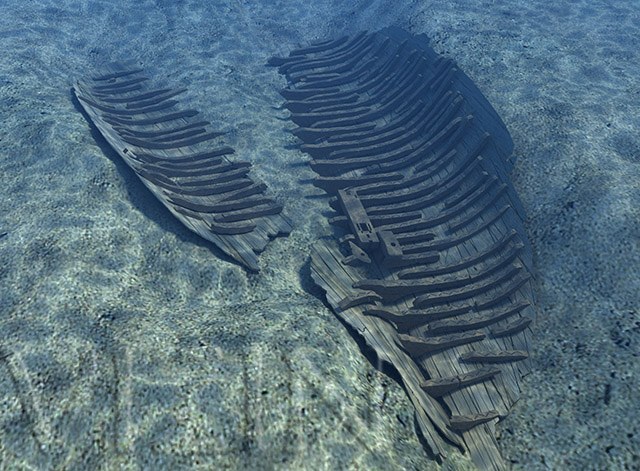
(132, 344)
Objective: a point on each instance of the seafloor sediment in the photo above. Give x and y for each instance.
(132, 344)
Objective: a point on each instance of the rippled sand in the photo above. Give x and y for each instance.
(132, 344)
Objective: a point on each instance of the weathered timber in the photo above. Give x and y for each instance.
(465, 422)
(173, 156)
(494, 356)
(438, 387)
(437, 271)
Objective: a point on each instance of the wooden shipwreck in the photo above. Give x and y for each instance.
(430, 264)
(171, 152)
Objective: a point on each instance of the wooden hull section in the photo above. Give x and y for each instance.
(172, 153)
(432, 265)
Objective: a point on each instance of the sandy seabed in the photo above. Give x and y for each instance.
(134, 345)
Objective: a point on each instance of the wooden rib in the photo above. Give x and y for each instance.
(211, 178)
(417, 347)
(418, 198)
(359, 298)
(412, 319)
(216, 166)
(353, 77)
(313, 134)
(206, 189)
(117, 91)
(380, 92)
(395, 289)
(511, 328)
(153, 99)
(475, 321)
(232, 228)
(124, 113)
(113, 86)
(130, 99)
(191, 158)
(330, 65)
(359, 144)
(180, 136)
(373, 114)
(245, 191)
(326, 59)
(115, 75)
(266, 209)
(391, 137)
(162, 132)
(320, 47)
(314, 49)
(438, 386)
(467, 421)
(459, 223)
(300, 94)
(469, 291)
(464, 263)
(301, 63)
(393, 160)
(446, 242)
(373, 79)
(332, 68)
(119, 121)
(146, 144)
(419, 177)
(302, 106)
(435, 147)
(370, 80)
(494, 356)
(219, 207)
